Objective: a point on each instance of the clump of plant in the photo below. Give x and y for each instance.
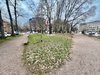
(42, 57)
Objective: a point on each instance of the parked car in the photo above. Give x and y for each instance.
(7, 34)
(91, 33)
(87, 33)
(16, 32)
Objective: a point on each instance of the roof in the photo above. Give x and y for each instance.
(90, 22)
(93, 21)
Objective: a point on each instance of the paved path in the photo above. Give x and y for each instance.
(10, 57)
(85, 58)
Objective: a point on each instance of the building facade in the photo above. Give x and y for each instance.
(90, 27)
(7, 27)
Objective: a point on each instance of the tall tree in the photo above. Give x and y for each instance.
(75, 11)
(49, 7)
(15, 12)
(11, 20)
(1, 25)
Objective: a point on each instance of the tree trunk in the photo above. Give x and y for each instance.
(49, 16)
(11, 20)
(1, 26)
(50, 26)
(15, 12)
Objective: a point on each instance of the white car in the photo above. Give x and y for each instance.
(6, 34)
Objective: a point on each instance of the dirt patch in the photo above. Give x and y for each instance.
(85, 58)
(11, 57)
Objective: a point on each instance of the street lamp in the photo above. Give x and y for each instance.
(30, 20)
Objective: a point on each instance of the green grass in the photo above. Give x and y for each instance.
(42, 57)
(8, 38)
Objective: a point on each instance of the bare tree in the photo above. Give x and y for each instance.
(60, 7)
(1, 26)
(75, 11)
(48, 5)
(15, 12)
(14, 4)
(31, 5)
(2, 35)
(11, 20)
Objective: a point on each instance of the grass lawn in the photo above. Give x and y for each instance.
(42, 56)
(8, 38)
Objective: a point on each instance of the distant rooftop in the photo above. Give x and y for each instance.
(98, 21)
(93, 21)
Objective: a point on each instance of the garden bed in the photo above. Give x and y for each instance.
(43, 52)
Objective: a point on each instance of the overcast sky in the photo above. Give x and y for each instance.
(29, 13)
(97, 16)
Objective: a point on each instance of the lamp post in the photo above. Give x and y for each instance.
(30, 25)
